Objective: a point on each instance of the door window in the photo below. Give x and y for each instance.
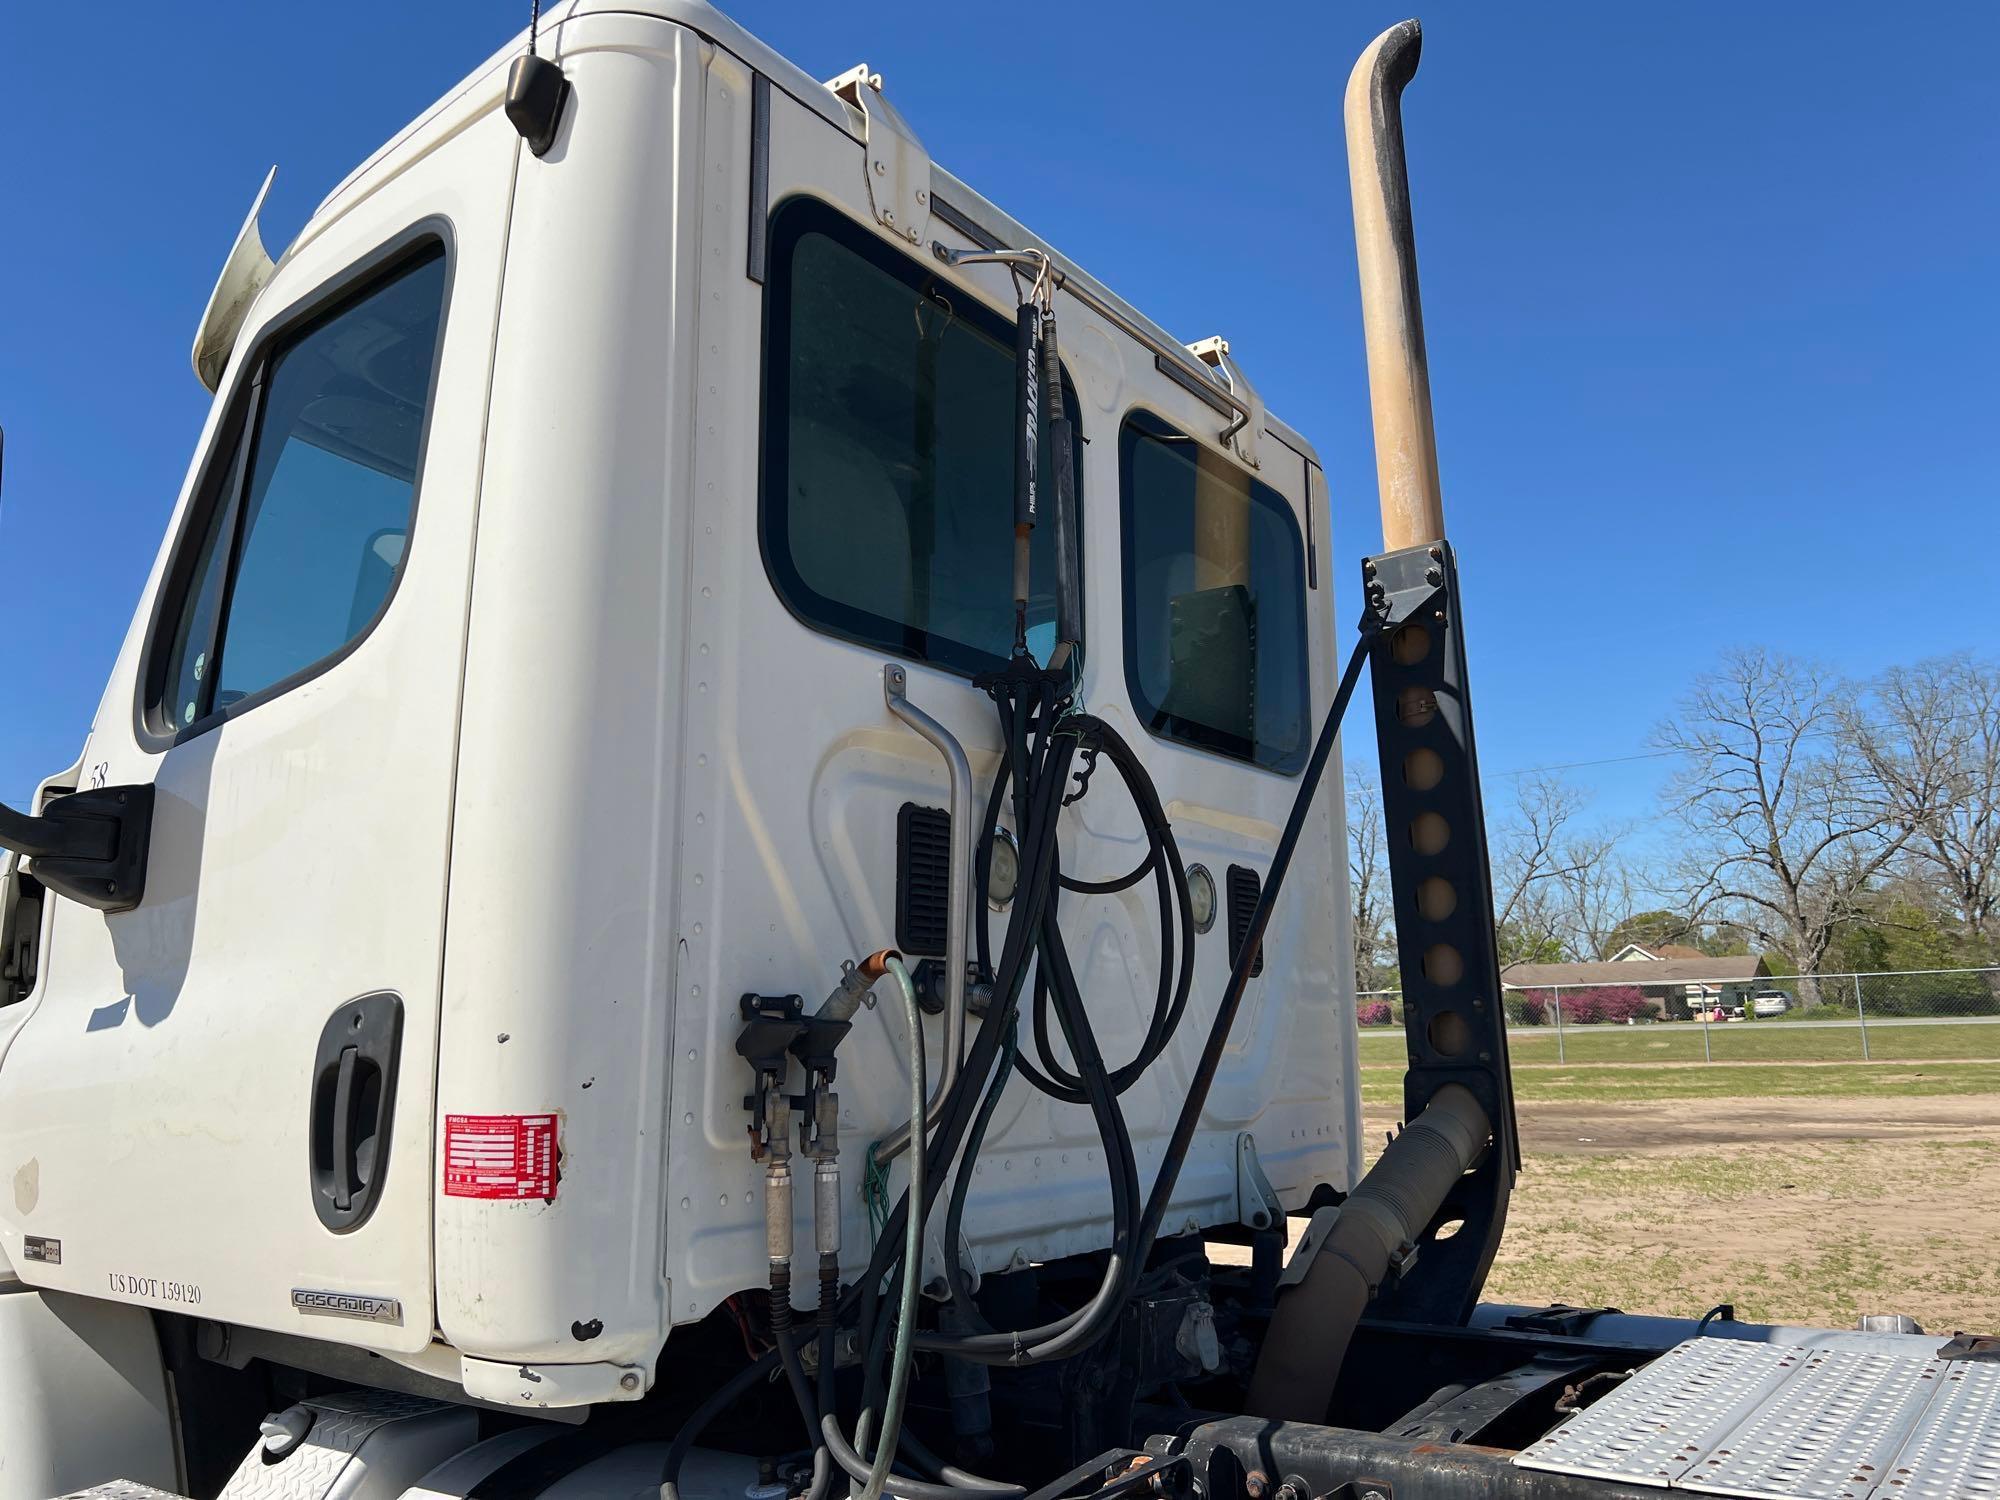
(1215, 616)
(303, 538)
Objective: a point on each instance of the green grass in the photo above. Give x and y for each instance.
(1382, 1086)
(1735, 1041)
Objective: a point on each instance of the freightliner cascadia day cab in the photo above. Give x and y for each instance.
(708, 869)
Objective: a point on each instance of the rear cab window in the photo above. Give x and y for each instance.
(1215, 588)
(886, 501)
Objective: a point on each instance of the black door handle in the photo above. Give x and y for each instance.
(343, 1129)
(353, 1104)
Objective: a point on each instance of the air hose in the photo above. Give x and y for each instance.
(913, 1249)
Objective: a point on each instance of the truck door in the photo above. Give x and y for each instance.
(220, 1102)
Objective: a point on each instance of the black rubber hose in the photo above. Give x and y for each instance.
(982, 872)
(1172, 880)
(698, 1420)
(1176, 916)
(788, 1351)
(1046, 774)
(829, 1317)
(1123, 883)
(1074, 1331)
(954, 1213)
(1077, 1330)
(931, 1464)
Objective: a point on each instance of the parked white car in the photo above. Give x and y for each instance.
(1770, 1003)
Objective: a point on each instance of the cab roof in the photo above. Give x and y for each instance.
(706, 21)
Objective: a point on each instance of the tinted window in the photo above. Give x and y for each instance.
(305, 536)
(888, 485)
(1215, 621)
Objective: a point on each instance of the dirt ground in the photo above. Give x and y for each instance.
(1796, 1209)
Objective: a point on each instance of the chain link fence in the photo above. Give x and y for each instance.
(1908, 1015)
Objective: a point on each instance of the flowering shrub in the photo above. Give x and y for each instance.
(1615, 1004)
(1373, 1013)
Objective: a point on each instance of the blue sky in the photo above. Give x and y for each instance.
(1711, 293)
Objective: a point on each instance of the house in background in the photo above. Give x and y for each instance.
(1680, 981)
(1654, 953)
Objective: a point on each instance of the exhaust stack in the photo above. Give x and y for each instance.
(1392, 315)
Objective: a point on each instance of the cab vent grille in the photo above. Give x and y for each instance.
(923, 879)
(1244, 888)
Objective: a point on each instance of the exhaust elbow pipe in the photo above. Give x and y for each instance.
(1392, 315)
(1389, 1210)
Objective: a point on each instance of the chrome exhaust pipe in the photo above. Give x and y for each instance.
(1392, 315)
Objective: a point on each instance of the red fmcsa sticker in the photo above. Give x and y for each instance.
(500, 1156)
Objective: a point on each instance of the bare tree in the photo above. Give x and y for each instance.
(1368, 883)
(1933, 738)
(1559, 889)
(1525, 858)
(1595, 892)
(1788, 824)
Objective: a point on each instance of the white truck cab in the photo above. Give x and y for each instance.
(511, 688)
(651, 562)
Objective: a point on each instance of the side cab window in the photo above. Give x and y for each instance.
(1215, 600)
(296, 542)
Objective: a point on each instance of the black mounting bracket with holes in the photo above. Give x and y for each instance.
(1454, 1023)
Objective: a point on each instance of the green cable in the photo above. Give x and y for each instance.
(875, 1192)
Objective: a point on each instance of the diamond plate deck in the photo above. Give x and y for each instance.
(1771, 1422)
(1675, 1411)
(342, 1422)
(1954, 1449)
(1829, 1431)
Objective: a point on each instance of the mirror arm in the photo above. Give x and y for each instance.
(89, 846)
